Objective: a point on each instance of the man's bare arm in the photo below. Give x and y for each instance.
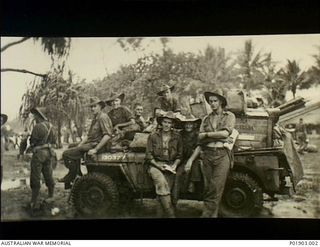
(125, 124)
(221, 134)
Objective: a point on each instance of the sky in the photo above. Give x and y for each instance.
(94, 58)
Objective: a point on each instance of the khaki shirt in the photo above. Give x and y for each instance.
(171, 105)
(39, 134)
(213, 122)
(120, 115)
(155, 148)
(101, 125)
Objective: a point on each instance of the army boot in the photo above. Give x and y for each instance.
(167, 206)
(50, 191)
(159, 208)
(72, 166)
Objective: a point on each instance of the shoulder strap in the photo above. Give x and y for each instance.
(48, 131)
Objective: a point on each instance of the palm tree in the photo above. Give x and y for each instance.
(214, 67)
(292, 76)
(312, 76)
(250, 67)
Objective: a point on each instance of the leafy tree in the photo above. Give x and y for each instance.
(191, 73)
(215, 67)
(250, 66)
(274, 88)
(312, 75)
(63, 99)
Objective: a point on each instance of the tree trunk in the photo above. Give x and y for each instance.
(59, 134)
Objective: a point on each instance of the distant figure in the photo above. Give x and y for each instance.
(65, 134)
(301, 135)
(4, 119)
(166, 101)
(24, 142)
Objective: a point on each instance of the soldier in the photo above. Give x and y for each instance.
(4, 119)
(153, 124)
(42, 137)
(217, 159)
(121, 117)
(190, 131)
(163, 154)
(166, 101)
(301, 135)
(138, 110)
(99, 134)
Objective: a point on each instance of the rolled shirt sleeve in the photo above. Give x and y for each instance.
(229, 123)
(203, 125)
(209, 124)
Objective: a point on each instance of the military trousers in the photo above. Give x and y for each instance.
(216, 167)
(41, 164)
(302, 140)
(162, 180)
(23, 146)
(72, 157)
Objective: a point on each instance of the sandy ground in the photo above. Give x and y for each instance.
(15, 194)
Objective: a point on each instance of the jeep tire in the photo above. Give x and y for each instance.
(95, 195)
(242, 196)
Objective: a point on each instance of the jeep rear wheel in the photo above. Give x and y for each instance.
(242, 196)
(95, 195)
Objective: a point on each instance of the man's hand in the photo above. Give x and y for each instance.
(202, 136)
(160, 166)
(188, 166)
(171, 169)
(92, 151)
(116, 129)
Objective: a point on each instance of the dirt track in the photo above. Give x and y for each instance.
(15, 195)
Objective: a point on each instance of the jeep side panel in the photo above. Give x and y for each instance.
(264, 168)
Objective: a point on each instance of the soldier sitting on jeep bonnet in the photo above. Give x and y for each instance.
(99, 134)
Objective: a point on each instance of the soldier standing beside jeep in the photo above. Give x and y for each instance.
(216, 126)
(163, 154)
(190, 131)
(99, 134)
(42, 137)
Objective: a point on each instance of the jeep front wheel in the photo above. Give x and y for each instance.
(242, 196)
(95, 195)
